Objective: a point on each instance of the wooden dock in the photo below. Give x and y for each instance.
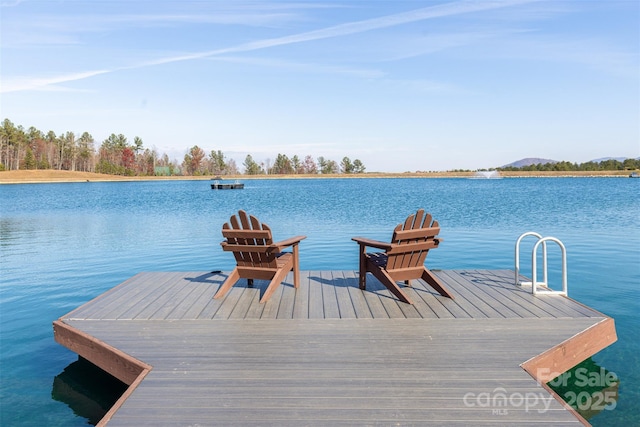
(329, 353)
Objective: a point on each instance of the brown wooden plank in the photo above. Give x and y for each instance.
(110, 359)
(562, 357)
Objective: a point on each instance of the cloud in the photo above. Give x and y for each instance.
(341, 30)
(11, 3)
(49, 83)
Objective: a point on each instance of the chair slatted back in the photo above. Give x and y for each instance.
(249, 240)
(412, 240)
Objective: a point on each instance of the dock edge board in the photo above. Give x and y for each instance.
(127, 369)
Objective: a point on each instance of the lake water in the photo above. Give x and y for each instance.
(64, 244)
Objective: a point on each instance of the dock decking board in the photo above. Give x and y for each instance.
(329, 353)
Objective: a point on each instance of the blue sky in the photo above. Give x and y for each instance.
(400, 85)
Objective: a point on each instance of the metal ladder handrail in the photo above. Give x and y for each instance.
(517, 258)
(534, 290)
(534, 283)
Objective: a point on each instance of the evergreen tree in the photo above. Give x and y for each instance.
(358, 166)
(251, 167)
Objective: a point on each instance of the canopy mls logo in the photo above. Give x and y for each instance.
(499, 400)
(581, 388)
(586, 389)
(582, 377)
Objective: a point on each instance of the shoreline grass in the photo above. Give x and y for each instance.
(56, 176)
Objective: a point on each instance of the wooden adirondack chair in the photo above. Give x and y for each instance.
(403, 258)
(257, 256)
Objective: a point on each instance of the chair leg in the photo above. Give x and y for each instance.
(296, 267)
(362, 279)
(233, 277)
(435, 283)
(390, 284)
(273, 285)
(362, 275)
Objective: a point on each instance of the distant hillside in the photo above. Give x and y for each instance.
(528, 162)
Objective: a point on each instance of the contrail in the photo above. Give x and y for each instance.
(456, 8)
(35, 83)
(449, 9)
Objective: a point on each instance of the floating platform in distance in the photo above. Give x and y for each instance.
(217, 185)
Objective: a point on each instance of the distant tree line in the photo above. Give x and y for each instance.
(605, 165)
(283, 165)
(116, 155)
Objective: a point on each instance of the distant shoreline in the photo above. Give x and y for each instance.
(57, 176)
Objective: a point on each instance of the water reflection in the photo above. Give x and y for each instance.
(588, 388)
(88, 390)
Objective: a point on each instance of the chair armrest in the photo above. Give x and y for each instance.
(288, 242)
(363, 241)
